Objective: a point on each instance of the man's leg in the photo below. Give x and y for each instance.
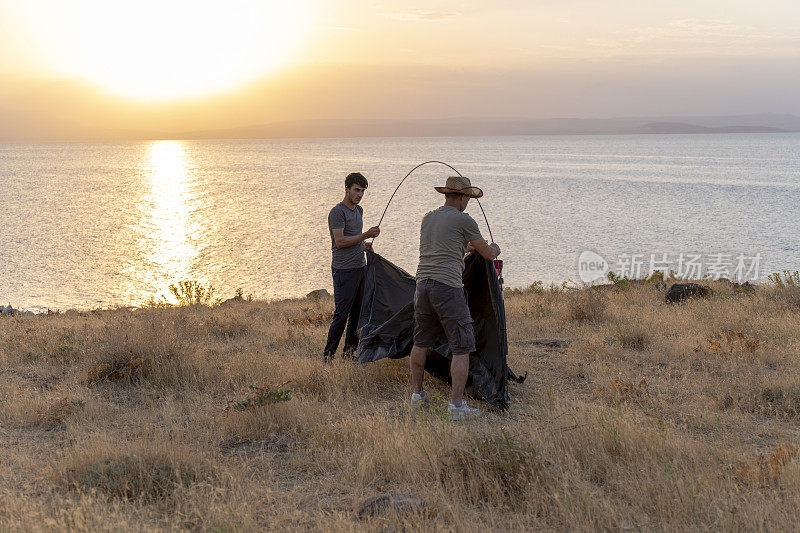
(451, 305)
(343, 295)
(459, 370)
(426, 329)
(417, 364)
(350, 337)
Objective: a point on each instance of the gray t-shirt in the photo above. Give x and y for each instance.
(443, 238)
(341, 217)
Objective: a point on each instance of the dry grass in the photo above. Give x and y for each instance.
(655, 417)
(587, 305)
(141, 473)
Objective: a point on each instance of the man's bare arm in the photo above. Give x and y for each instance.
(346, 242)
(488, 251)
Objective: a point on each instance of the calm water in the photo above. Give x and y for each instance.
(98, 224)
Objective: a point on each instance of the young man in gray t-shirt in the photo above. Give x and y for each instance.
(347, 264)
(439, 301)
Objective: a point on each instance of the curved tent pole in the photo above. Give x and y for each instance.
(410, 172)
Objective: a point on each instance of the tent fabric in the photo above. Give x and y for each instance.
(386, 325)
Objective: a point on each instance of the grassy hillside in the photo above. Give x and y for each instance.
(651, 416)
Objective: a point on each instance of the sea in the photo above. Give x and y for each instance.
(99, 225)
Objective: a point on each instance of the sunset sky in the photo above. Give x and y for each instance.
(152, 69)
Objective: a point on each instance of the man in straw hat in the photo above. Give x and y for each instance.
(446, 234)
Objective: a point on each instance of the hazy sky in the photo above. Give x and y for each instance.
(95, 69)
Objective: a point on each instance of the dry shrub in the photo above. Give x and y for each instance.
(339, 435)
(148, 476)
(621, 390)
(496, 469)
(321, 437)
(279, 420)
(260, 396)
(398, 452)
(226, 326)
(780, 402)
(784, 279)
(632, 335)
(117, 368)
(193, 293)
(587, 305)
(155, 349)
(728, 341)
(765, 472)
(311, 319)
(629, 390)
(57, 413)
(344, 380)
(788, 297)
(57, 339)
(19, 408)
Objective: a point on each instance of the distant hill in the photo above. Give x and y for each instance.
(770, 120)
(680, 127)
(479, 126)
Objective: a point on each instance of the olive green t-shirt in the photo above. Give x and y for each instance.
(443, 238)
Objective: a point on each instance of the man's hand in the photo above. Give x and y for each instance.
(368, 246)
(487, 251)
(345, 242)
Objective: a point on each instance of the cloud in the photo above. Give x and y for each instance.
(696, 37)
(419, 15)
(686, 38)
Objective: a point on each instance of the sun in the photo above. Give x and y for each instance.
(173, 49)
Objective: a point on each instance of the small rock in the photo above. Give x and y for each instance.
(29, 313)
(319, 293)
(681, 291)
(235, 299)
(400, 503)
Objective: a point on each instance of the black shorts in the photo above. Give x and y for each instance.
(438, 307)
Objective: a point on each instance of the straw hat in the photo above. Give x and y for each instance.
(460, 185)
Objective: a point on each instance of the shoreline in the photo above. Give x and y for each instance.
(536, 286)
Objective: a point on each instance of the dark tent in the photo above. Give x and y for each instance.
(387, 323)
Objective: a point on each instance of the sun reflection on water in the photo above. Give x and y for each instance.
(170, 176)
(168, 231)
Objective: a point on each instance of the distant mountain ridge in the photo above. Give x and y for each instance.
(490, 126)
(680, 127)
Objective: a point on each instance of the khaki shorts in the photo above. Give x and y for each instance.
(438, 307)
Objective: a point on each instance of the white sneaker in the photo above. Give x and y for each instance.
(462, 411)
(419, 400)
